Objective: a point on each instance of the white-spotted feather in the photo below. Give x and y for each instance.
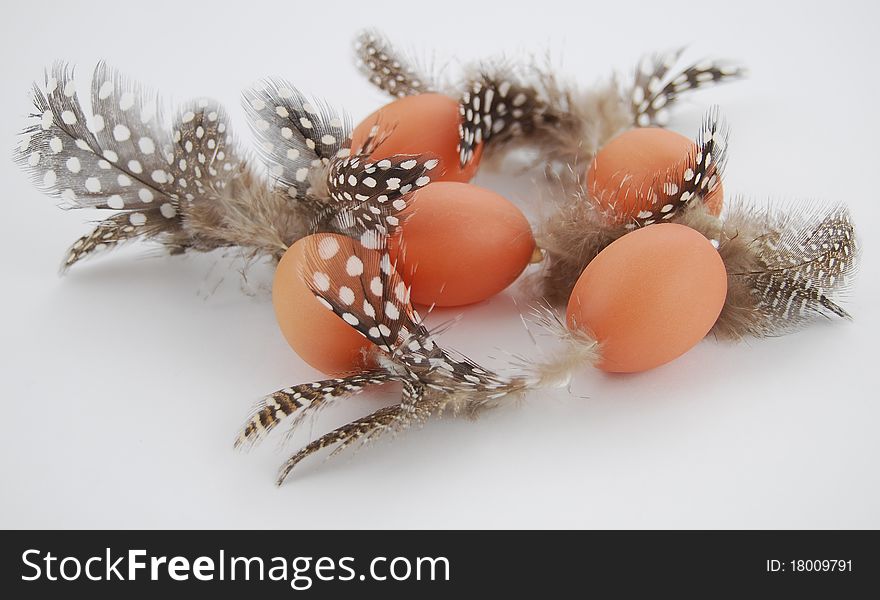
(295, 134)
(692, 179)
(654, 90)
(357, 280)
(387, 68)
(122, 156)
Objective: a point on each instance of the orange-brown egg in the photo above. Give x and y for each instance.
(320, 337)
(650, 296)
(461, 244)
(426, 123)
(622, 172)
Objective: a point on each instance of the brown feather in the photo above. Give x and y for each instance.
(247, 214)
(387, 68)
(787, 265)
(572, 237)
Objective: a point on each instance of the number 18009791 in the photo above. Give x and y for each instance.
(821, 565)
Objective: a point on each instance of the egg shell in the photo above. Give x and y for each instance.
(650, 296)
(318, 336)
(622, 171)
(461, 244)
(426, 123)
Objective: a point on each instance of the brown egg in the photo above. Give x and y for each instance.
(623, 170)
(426, 123)
(650, 296)
(461, 244)
(320, 338)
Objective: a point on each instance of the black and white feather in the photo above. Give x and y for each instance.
(122, 157)
(358, 281)
(296, 136)
(388, 68)
(496, 106)
(654, 90)
(180, 181)
(690, 181)
(787, 265)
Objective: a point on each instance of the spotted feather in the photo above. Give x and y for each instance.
(387, 68)
(120, 156)
(653, 91)
(110, 232)
(692, 180)
(296, 135)
(387, 419)
(359, 179)
(801, 261)
(371, 194)
(358, 282)
(203, 159)
(301, 400)
(495, 106)
(361, 285)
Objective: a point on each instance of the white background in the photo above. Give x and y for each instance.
(124, 383)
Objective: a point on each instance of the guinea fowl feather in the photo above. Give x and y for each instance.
(388, 68)
(182, 182)
(787, 265)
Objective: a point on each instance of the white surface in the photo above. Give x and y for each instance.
(124, 383)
